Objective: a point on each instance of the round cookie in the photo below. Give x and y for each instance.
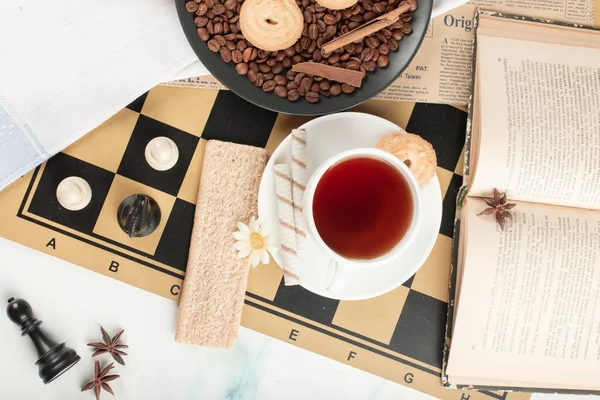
(271, 24)
(417, 153)
(337, 4)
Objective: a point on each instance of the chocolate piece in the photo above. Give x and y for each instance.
(332, 73)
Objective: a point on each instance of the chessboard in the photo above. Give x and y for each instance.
(398, 336)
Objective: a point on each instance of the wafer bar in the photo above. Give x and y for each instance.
(299, 178)
(212, 297)
(287, 227)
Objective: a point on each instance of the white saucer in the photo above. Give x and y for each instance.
(327, 136)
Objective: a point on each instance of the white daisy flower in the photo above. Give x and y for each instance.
(254, 241)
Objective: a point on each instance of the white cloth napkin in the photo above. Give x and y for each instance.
(68, 65)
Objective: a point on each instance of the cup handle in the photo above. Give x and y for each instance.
(335, 278)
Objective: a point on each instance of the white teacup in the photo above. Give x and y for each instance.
(337, 268)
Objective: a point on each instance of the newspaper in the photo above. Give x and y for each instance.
(441, 70)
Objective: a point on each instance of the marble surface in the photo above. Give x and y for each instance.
(73, 302)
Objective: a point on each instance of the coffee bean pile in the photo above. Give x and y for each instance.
(218, 25)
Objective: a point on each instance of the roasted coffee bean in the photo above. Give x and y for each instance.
(375, 55)
(298, 78)
(405, 17)
(277, 68)
(380, 7)
(203, 34)
(346, 13)
(308, 16)
(230, 4)
(201, 21)
(306, 55)
(264, 68)
(259, 80)
(344, 29)
(293, 95)
(311, 97)
(324, 85)
(191, 6)
(230, 45)
(225, 54)
(296, 59)
(353, 65)
(236, 56)
(280, 56)
(241, 45)
(269, 76)
(261, 60)
(381, 36)
(234, 19)
(202, 9)
(329, 19)
(372, 42)
(220, 39)
(367, 4)
(234, 28)
(210, 14)
(392, 44)
(281, 91)
(349, 47)
(251, 74)
(226, 28)
(313, 33)
(382, 61)
(413, 4)
(305, 3)
(344, 57)
(305, 85)
(313, 47)
(396, 25)
(363, 69)
(253, 66)
(213, 45)
(406, 29)
(297, 46)
(333, 59)
(271, 61)
(280, 80)
(319, 8)
(230, 37)
(315, 87)
(368, 16)
(317, 78)
(291, 85)
(397, 34)
(289, 52)
(290, 75)
(321, 25)
(384, 49)
(317, 57)
(353, 25)
(304, 30)
(347, 88)
(209, 3)
(367, 54)
(329, 33)
(269, 86)
(246, 54)
(287, 62)
(263, 53)
(209, 27)
(369, 65)
(335, 89)
(305, 43)
(358, 48)
(218, 9)
(356, 18)
(324, 93)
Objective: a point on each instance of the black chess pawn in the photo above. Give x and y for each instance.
(53, 358)
(138, 215)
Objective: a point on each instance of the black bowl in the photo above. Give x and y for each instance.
(373, 83)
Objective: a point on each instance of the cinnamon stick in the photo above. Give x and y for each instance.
(367, 29)
(343, 75)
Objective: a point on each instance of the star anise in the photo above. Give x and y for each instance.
(499, 206)
(100, 380)
(111, 346)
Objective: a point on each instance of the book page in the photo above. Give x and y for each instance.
(529, 298)
(540, 125)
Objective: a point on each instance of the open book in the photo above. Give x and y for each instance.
(525, 301)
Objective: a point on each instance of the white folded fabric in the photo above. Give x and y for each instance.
(68, 65)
